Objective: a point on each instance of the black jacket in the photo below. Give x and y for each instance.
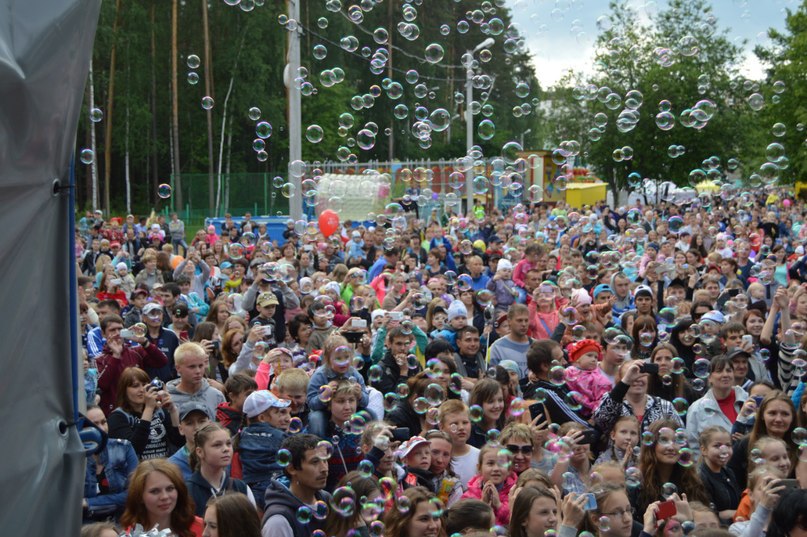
(199, 489)
(391, 375)
(280, 501)
(403, 415)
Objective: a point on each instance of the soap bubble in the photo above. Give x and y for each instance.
(207, 102)
(87, 156)
(164, 190)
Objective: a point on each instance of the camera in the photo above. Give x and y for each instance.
(157, 384)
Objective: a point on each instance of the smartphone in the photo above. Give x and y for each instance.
(666, 510)
(127, 333)
(789, 484)
(401, 433)
(183, 334)
(650, 369)
(748, 340)
(758, 399)
(216, 345)
(267, 331)
(358, 323)
(591, 502)
(396, 316)
(589, 437)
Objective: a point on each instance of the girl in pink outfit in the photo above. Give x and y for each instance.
(493, 482)
(584, 375)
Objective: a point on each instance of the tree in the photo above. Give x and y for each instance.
(669, 84)
(785, 95)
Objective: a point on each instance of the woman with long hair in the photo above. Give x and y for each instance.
(614, 505)
(663, 462)
(231, 344)
(231, 515)
(158, 497)
(367, 495)
(218, 314)
(145, 416)
(776, 417)
(670, 382)
(211, 459)
(423, 518)
(645, 337)
(683, 337)
(487, 400)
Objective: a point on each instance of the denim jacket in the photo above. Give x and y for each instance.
(323, 375)
(258, 447)
(119, 460)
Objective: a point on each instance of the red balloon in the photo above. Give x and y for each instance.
(328, 222)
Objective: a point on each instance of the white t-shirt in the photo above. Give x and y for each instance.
(465, 465)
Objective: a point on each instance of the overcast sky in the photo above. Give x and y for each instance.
(560, 33)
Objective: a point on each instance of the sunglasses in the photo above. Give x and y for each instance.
(526, 450)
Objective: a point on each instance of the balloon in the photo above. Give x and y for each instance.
(786, 203)
(328, 222)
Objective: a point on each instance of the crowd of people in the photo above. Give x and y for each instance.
(532, 372)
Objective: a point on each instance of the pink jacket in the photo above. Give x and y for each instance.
(538, 329)
(503, 512)
(591, 385)
(520, 271)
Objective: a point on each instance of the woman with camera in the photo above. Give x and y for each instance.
(630, 398)
(145, 416)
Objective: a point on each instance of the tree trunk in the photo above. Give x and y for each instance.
(211, 164)
(108, 111)
(153, 155)
(94, 166)
(175, 107)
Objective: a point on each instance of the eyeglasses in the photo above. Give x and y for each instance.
(526, 450)
(620, 512)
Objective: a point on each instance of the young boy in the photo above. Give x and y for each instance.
(457, 318)
(292, 385)
(191, 362)
(347, 452)
(192, 417)
(416, 455)
(231, 414)
(455, 421)
(260, 441)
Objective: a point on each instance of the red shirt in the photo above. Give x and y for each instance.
(727, 406)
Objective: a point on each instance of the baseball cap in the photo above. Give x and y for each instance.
(262, 400)
(138, 291)
(407, 447)
(152, 307)
(602, 288)
(643, 289)
(511, 366)
(267, 299)
(226, 264)
(714, 316)
(736, 352)
(186, 409)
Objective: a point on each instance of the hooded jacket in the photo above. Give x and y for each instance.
(207, 395)
(503, 512)
(258, 447)
(280, 516)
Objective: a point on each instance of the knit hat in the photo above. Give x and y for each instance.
(583, 298)
(504, 264)
(579, 348)
(456, 309)
(121, 266)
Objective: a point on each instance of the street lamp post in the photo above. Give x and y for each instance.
(523, 134)
(469, 119)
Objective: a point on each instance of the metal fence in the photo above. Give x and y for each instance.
(260, 193)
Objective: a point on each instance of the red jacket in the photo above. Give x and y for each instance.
(503, 512)
(110, 369)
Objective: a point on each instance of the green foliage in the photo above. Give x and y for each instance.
(249, 50)
(681, 60)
